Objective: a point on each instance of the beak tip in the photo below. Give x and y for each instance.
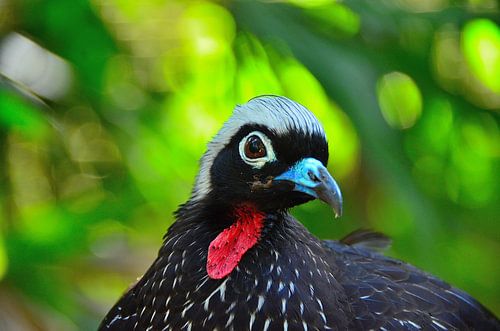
(337, 211)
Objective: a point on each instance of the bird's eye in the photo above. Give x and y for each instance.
(255, 148)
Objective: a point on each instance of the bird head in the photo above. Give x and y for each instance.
(271, 153)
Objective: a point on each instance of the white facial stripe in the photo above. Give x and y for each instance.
(278, 114)
(261, 161)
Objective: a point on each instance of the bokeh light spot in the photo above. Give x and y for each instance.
(207, 28)
(399, 99)
(481, 48)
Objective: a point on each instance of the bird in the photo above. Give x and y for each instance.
(235, 258)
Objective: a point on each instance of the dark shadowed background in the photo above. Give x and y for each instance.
(106, 106)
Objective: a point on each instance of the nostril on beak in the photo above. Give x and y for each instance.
(312, 176)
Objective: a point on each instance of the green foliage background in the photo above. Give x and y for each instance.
(107, 108)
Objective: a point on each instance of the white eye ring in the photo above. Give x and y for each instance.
(261, 161)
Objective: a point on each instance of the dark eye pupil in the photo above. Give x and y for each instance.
(254, 148)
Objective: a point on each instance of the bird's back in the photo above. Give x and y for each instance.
(388, 294)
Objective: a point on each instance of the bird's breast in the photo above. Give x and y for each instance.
(283, 285)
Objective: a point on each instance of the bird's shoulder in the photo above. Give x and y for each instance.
(387, 293)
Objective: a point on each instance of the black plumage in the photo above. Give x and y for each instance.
(287, 279)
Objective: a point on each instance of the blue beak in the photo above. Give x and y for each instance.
(312, 178)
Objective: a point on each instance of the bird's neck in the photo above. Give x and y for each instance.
(227, 249)
(237, 229)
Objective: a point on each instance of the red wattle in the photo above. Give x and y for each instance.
(227, 249)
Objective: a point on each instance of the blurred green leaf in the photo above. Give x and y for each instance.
(18, 114)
